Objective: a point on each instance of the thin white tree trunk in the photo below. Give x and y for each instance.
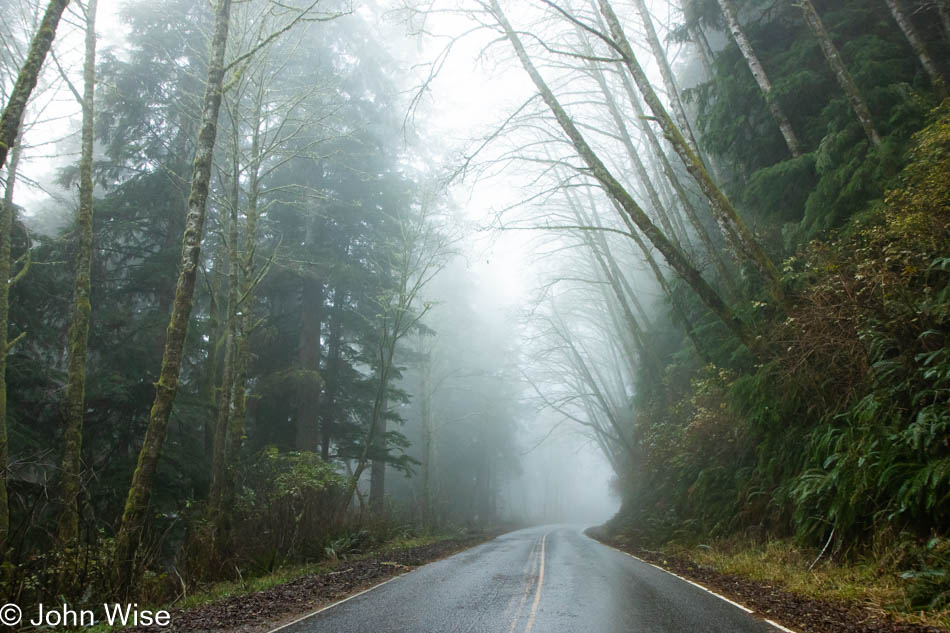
(917, 43)
(761, 78)
(845, 80)
(669, 82)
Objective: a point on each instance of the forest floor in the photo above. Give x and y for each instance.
(259, 611)
(825, 599)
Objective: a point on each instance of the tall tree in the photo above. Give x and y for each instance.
(724, 211)
(68, 530)
(920, 47)
(845, 80)
(15, 107)
(761, 77)
(10, 122)
(674, 256)
(666, 72)
(6, 239)
(134, 515)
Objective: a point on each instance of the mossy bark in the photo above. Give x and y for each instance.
(721, 205)
(248, 279)
(334, 361)
(15, 108)
(714, 254)
(136, 505)
(308, 360)
(669, 82)
(845, 80)
(686, 204)
(217, 495)
(6, 228)
(70, 471)
(673, 255)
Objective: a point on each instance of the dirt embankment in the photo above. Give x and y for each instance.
(799, 613)
(264, 610)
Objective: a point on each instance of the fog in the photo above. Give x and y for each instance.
(441, 257)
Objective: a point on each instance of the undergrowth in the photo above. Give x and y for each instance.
(840, 434)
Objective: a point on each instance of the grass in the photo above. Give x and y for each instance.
(783, 563)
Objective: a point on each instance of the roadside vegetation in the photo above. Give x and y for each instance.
(833, 437)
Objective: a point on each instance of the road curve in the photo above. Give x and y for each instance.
(550, 579)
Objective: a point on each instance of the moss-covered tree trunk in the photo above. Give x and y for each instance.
(666, 73)
(920, 48)
(722, 207)
(426, 431)
(308, 363)
(217, 506)
(761, 78)
(244, 320)
(715, 254)
(15, 108)
(70, 472)
(6, 228)
(673, 255)
(377, 474)
(686, 206)
(845, 80)
(136, 505)
(334, 362)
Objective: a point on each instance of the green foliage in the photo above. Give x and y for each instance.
(843, 432)
(839, 173)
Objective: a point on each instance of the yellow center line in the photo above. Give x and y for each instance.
(537, 595)
(528, 568)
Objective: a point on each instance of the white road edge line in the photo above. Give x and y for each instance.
(779, 626)
(696, 584)
(334, 604)
(735, 604)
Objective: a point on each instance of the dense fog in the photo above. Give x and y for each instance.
(286, 278)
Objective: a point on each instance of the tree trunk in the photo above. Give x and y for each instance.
(633, 155)
(761, 78)
(920, 48)
(334, 359)
(68, 529)
(722, 207)
(688, 208)
(6, 229)
(308, 361)
(214, 342)
(218, 502)
(669, 82)
(387, 350)
(652, 193)
(845, 80)
(244, 320)
(425, 416)
(674, 256)
(26, 79)
(377, 474)
(943, 9)
(134, 515)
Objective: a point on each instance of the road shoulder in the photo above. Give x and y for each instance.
(798, 613)
(266, 610)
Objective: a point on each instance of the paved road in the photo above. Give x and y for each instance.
(550, 579)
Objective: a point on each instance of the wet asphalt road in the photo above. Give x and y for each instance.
(550, 579)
